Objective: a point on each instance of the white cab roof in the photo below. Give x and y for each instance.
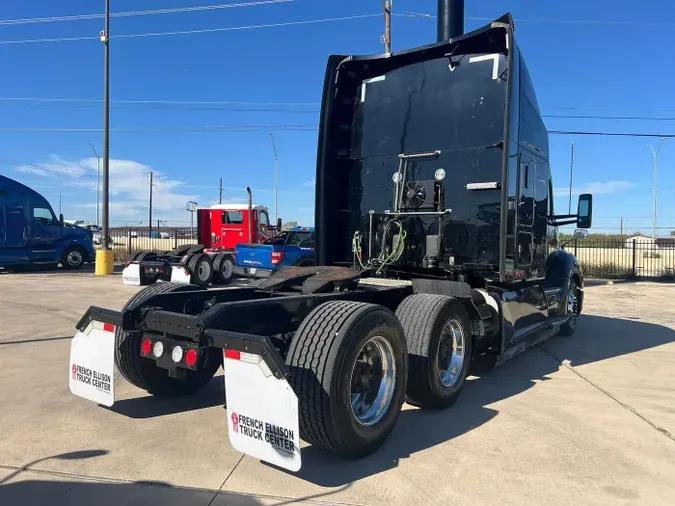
(236, 207)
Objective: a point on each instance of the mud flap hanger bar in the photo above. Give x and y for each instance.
(99, 314)
(249, 343)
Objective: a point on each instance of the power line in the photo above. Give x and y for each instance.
(206, 30)
(425, 15)
(610, 134)
(34, 166)
(210, 128)
(169, 107)
(127, 14)
(592, 116)
(144, 102)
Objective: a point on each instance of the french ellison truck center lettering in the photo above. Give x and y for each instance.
(279, 437)
(91, 377)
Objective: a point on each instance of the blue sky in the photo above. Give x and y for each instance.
(577, 68)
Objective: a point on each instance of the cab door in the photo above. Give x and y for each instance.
(13, 236)
(45, 233)
(525, 209)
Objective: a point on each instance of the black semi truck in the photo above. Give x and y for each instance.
(437, 252)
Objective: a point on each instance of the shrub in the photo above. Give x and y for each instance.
(607, 270)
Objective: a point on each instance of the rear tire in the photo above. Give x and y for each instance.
(143, 372)
(343, 407)
(438, 331)
(223, 268)
(200, 268)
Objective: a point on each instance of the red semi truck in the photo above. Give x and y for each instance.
(219, 229)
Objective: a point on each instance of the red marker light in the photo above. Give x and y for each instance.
(146, 346)
(191, 357)
(233, 354)
(108, 327)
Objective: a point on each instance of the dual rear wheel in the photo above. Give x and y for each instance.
(354, 364)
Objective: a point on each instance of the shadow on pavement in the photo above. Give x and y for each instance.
(599, 338)
(20, 487)
(213, 394)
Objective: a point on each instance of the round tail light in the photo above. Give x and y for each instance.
(146, 346)
(177, 354)
(191, 357)
(158, 349)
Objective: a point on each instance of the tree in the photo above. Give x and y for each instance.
(289, 224)
(672, 232)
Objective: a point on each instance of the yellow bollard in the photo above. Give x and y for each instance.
(105, 262)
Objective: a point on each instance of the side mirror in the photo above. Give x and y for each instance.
(585, 211)
(279, 224)
(60, 219)
(580, 234)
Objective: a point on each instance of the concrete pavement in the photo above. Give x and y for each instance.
(588, 419)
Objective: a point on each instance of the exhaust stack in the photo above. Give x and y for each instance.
(251, 237)
(450, 19)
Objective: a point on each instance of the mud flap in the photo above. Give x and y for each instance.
(131, 275)
(262, 411)
(91, 372)
(180, 275)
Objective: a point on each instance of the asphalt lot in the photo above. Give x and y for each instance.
(582, 420)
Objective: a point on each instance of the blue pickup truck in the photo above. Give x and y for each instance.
(294, 247)
(31, 235)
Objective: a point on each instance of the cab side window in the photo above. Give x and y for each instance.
(232, 218)
(44, 216)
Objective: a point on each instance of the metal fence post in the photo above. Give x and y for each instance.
(575, 247)
(175, 239)
(634, 272)
(128, 241)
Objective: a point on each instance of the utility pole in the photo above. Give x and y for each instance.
(192, 207)
(569, 210)
(386, 4)
(150, 208)
(621, 227)
(98, 184)
(60, 205)
(106, 266)
(276, 180)
(655, 153)
(220, 198)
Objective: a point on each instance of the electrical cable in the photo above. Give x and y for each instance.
(205, 30)
(127, 14)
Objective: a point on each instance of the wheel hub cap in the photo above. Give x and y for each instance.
(373, 380)
(451, 353)
(74, 258)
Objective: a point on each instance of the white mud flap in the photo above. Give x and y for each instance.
(131, 275)
(262, 411)
(180, 275)
(91, 373)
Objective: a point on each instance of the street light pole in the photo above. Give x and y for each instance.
(98, 185)
(276, 180)
(105, 37)
(655, 153)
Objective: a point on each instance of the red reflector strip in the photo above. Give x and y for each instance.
(233, 354)
(108, 327)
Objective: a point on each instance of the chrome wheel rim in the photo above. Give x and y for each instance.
(227, 269)
(451, 353)
(573, 306)
(373, 381)
(74, 258)
(203, 271)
